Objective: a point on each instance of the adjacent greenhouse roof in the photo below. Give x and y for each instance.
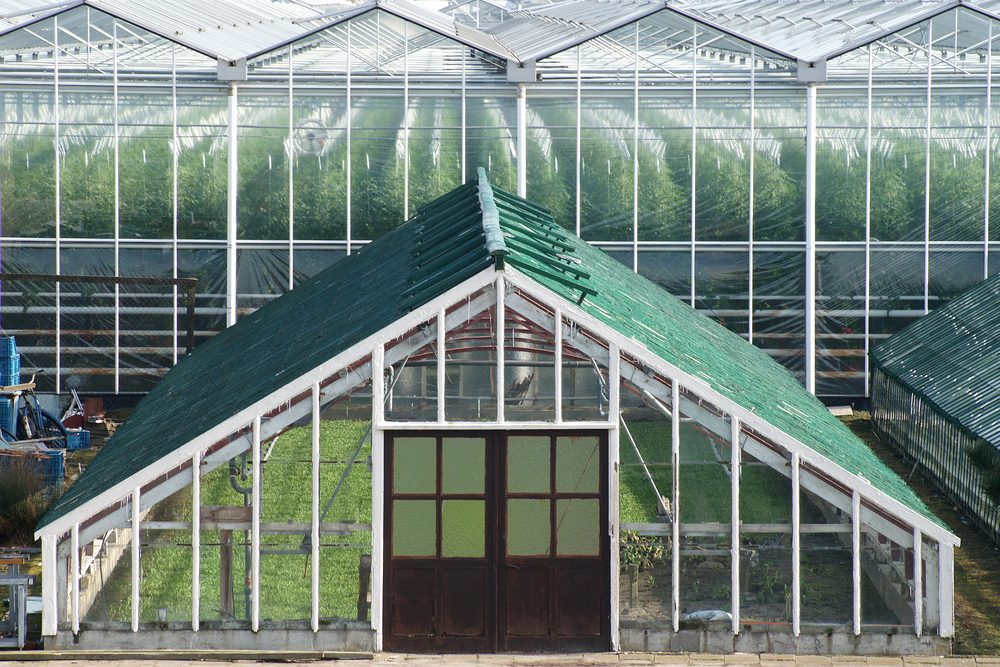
(807, 30)
(460, 235)
(951, 358)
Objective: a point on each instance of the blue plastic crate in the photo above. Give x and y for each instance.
(7, 347)
(7, 413)
(10, 370)
(52, 466)
(77, 439)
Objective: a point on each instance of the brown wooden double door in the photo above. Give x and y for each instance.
(496, 541)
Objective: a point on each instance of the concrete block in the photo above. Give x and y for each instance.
(742, 659)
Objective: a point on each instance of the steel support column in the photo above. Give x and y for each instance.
(810, 305)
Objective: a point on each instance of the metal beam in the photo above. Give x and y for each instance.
(675, 532)
(810, 305)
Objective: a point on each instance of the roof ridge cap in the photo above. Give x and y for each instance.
(495, 244)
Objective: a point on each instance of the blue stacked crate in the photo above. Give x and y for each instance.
(7, 412)
(51, 466)
(10, 374)
(77, 438)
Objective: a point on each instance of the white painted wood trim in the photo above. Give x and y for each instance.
(796, 555)
(614, 479)
(75, 578)
(856, 559)
(724, 404)
(675, 528)
(918, 582)
(195, 541)
(255, 529)
(50, 587)
(734, 478)
(378, 533)
(442, 372)
(508, 426)
(314, 535)
(282, 395)
(501, 324)
(558, 333)
(946, 589)
(136, 540)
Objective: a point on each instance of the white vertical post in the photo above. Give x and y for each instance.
(635, 153)
(231, 191)
(946, 589)
(117, 202)
(501, 326)
(406, 120)
(810, 238)
(347, 137)
(378, 492)
(734, 517)
(856, 559)
(614, 412)
(796, 570)
(522, 140)
(986, 152)
(75, 577)
(255, 530)
(58, 183)
(694, 154)
(314, 555)
(918, 581)
(136, 539)
(175, 179)
(927, 172)
(290, 156)
(462, 156)
(577, 198)
(752, 194)
(675, 528)
(868, 229)
(441, 370)
(195, 541)
(50, 587)
(557, 315)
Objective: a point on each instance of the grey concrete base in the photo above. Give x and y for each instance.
(351, 636)
(659, 639)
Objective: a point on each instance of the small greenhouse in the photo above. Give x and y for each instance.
(481, 434)
(936, 399)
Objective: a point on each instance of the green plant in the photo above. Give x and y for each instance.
(983, 455)
(640, 551)
(23, 501)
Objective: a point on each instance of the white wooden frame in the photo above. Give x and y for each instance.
(744, 429)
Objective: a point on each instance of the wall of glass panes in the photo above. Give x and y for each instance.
(680, 150)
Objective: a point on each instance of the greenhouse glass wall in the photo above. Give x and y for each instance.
(814, 181)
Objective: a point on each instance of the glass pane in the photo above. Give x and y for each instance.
(463, 465)
(578, 527)
(414, 465)
(577, 464)
(528, 526)
(414, 527)
(463, 528)
(528, 464)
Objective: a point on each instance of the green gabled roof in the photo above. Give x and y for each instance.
(449, 240)
(951, 358)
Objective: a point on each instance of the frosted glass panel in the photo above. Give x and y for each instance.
(414, 465)
(528, 524)
(528, 464)
(578, 462)
(578, 527)
(463, 465)
(463, 528)
(414, 527)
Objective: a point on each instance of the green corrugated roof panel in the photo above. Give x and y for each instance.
(951, 358)
(444, 244)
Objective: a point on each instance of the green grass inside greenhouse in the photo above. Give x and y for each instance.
(285, 586)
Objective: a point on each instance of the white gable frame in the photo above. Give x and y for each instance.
(291, 403)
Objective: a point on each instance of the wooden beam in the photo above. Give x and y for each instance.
(675, 533)
(196, 541)
(796, 555)
(255, 529)
(734, 479)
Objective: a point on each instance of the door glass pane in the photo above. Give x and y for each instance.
(463, 465)
(578, 526)
(577, 464)
(528, 524)
(414, 527)
(463, 528)
(414, 465)
(528, 464)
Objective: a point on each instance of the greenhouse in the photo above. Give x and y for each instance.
(480, 433)
(813, 175)
(935, 398)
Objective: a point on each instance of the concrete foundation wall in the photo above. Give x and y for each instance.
(350, 636)
(836, 643)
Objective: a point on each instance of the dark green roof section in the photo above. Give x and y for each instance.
(448, 241)
(951, 359)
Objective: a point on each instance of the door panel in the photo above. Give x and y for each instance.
(496, 541)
